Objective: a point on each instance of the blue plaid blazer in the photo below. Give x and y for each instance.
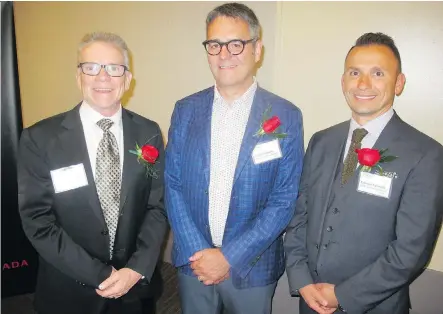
(263, 196)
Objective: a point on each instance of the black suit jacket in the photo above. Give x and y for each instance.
(370, 247)
(68, 229)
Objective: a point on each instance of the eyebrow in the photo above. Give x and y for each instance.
(376, 68)
(352, 69)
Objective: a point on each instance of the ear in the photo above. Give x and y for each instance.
(128, 79)
(400, 84)
(257, 50)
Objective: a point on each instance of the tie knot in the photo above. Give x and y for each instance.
(105, 124)
(358, 135)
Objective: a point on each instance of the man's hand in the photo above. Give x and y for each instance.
(118, 283)
(328, 292)
(210, 266)
(315, 300)
(222, 279)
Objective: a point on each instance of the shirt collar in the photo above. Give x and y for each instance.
(93, 116)
(251, 90)
(375, 126)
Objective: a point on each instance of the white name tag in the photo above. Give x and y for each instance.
(264, 152)
(69, 178)
(374, 184)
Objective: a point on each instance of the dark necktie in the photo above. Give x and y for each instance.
(351, 158)
(108, 178)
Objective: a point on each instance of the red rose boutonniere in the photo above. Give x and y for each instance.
(270, 125)
(369, 158)
(147, 155)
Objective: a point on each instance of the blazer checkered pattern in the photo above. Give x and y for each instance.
(263, 196)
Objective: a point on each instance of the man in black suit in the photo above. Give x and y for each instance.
(93, 211)
(370, 201)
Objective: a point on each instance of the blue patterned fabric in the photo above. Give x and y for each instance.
(263, 196)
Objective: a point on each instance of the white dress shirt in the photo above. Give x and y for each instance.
(228, 126)
(93, 133)
(374, 128)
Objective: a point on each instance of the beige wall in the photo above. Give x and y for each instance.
(169, 61)
(305, 44)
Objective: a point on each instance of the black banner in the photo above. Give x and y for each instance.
(19, 259)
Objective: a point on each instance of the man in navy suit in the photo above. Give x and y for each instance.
(233, 164)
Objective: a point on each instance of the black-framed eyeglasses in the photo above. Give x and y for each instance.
(234, 46)
(93, 69)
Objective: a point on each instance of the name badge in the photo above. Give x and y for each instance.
(69, 178)
(374, 184)
(264, 152)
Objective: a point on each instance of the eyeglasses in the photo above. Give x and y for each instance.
(235, 46)
(93, 69)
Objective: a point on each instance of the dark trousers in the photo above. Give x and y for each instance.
(121, 306)
(145, 306)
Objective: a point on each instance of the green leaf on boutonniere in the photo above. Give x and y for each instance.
(379, 169)
(279, 135)
(388, 158)
(266, 115)
(382, 151)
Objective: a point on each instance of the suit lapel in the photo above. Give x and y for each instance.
(74, 147)
(203, 120)
(336, 145)
(130, 164)
(389, 134)
(253, 125)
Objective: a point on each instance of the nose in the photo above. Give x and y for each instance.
(103, 75)
(224, 53)
(364, 82)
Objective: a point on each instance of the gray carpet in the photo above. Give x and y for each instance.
(169, 302)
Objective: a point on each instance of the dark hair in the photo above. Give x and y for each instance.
(236, 11)
(369, 39)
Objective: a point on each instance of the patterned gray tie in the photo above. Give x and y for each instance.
(351, 158)
(108, 178)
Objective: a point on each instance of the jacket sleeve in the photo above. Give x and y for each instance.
(188, 239)
(295, 237)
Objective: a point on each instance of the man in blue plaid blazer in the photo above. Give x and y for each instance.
(233, 164)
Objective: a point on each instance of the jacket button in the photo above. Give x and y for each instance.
(104, 232)
(329, 229)
(325, 247)
(335, 211)
(316, 246)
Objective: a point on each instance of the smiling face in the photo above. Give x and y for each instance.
(103, 92)
(233, 72)
(371, 81)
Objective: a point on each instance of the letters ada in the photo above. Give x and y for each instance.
(15, 264)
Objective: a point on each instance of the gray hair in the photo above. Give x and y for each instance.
(236, 11)
(110, 38)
